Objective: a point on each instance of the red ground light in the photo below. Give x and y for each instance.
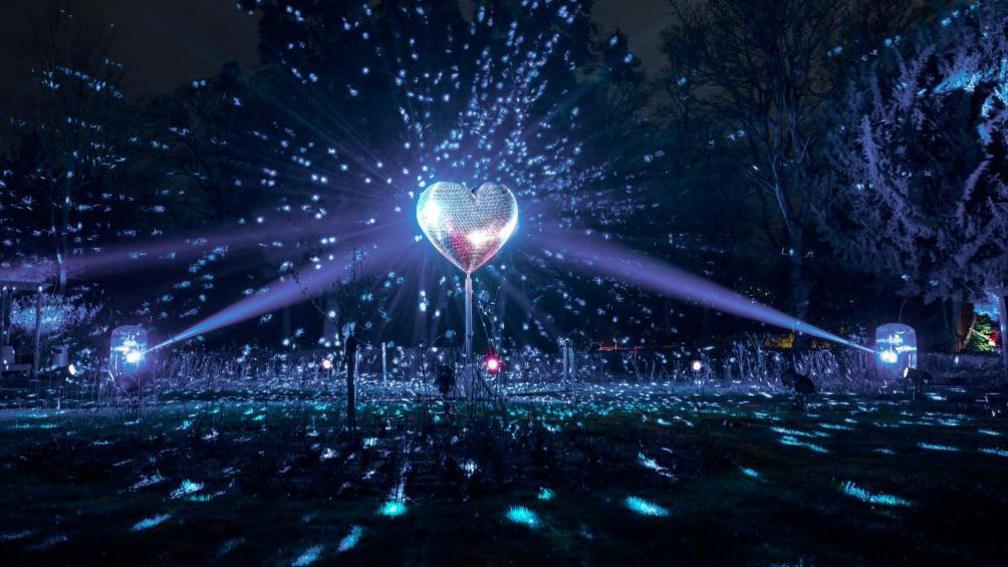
(493, 364)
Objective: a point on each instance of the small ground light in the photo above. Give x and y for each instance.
(326, 364)
(697, 366)
(916, 376)
(493, 364)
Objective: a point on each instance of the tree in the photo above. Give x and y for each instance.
(761, 74)
(763, 68)
(919, 184)
(212, 136)
(57, 197)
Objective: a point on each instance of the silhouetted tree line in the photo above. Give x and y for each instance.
(783, 153)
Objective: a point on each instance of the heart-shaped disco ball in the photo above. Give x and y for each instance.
(467, 228)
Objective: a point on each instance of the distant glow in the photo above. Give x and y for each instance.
(524, 516)
(134, 356)
(751, 473)
(392, 509)
(645, 507)
(327, 364)
(546, 494)
(697, 366)
(72, 370)
(851, 489)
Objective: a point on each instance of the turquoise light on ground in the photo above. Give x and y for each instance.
(392, 509)
(645, 507)
(351, 539)
(524, 516)
(851, 489)
(937, 447)
(148, 523)
(310, 556)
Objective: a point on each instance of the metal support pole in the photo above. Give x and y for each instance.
(1003, 320)
(3, 328)
(468, 317)
(384, 363)
(3, 317)
(38, 331)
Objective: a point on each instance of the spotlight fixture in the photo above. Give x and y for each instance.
(128, 351)
(696, 365)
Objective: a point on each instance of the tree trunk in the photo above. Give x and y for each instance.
(801, 290)
(963, 320)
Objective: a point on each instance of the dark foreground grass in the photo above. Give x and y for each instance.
(620, 478)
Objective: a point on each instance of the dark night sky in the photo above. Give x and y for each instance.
(164, 43)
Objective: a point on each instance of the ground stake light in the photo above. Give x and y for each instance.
(467, 228)
(896, 348)
(128, 350)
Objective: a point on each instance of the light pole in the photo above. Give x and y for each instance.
(468, 229)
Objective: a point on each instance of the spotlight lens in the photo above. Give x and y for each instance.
(326, 364)
(888, 356)
(72, 370)
(697, 366)
(134, 356)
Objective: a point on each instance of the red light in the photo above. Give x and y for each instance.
(493, 364)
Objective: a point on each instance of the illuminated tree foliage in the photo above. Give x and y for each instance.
(920, 179)
(749, 85)
(57, 185)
